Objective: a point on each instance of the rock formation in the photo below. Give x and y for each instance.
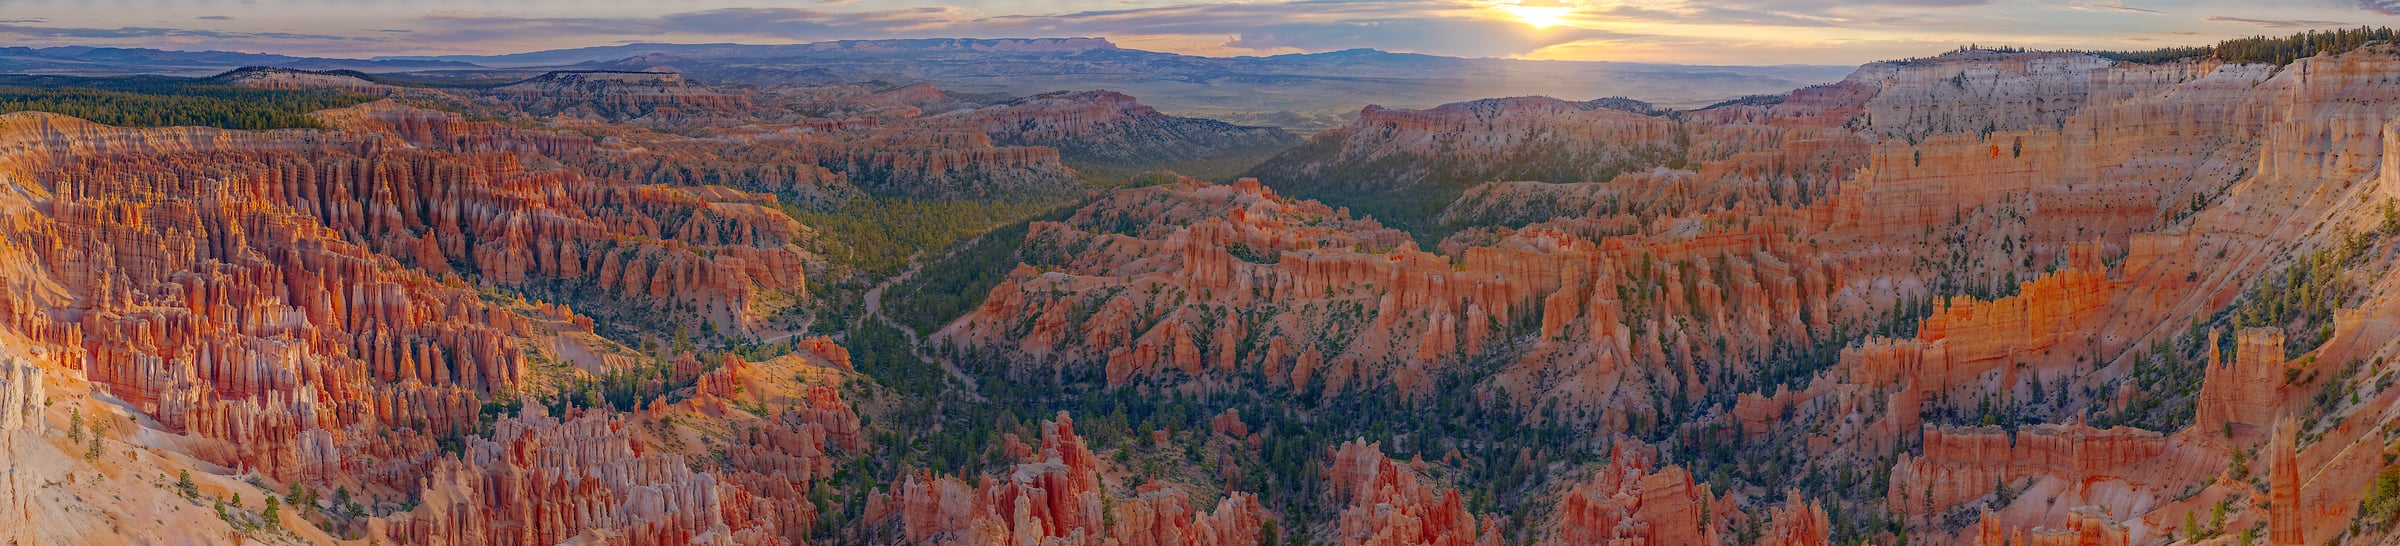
(1629, 503)
(1386, 503)
(21, 399)
(2246, 390)
(284, 78)
(1055, 497)
(1797, 523)
(1777, 292)
(2034, 232)
(2286, 510)
(541, 479)
(1388, 151)
(1110, 127)
(293, 305)
(618, 96)
(1960, 465)
(1226, 278)
(2085, 527)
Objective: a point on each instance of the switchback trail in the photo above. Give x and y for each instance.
(916, 346)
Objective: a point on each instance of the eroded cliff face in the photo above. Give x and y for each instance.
(1196, 287)
(291, 305)
(1404, 165)
(1058, 496)
(541, 479)
(647, 477)
(1595, 139)
(1630, 503)
(1387, 503)
(1964, 295)
(652, 97)
(1107, 126)
(362, 308)
(1958, 238)
(21, 398)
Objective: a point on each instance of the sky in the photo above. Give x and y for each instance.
(1732, 32)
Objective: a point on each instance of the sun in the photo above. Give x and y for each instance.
(1537, 16)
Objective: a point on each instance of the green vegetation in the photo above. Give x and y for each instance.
(1221, 169)
(93, 451)
(2276, 50)
(876, 236)
(2166, 378)
(623, 389)
(2301, 298)
(150, 101)
(184, 485)
(1297, 431)
(882, 352)
(1408, 192)
(2284, 50)
(2381, 505)
(2157, 56)
(949, 285)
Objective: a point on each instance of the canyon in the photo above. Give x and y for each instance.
(2115, 207)
(1989, 297)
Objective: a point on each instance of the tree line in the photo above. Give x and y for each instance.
(161, 102)
(2277, 50)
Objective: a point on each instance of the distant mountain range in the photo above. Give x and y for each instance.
(106, 61)
(1298, 91)
(557, 57)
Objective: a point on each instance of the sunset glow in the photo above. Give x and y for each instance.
(1669, 31)
(1538, 16)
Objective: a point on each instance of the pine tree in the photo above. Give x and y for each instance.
(93, 449)
(302, 496)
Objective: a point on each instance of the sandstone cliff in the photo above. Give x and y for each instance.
(618, 96)
(1386, 503)
(1630, 503)
(21, 399)
(1056, 497)
(1403, 166)
(1110, 127)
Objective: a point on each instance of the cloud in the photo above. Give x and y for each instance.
(1832, 7)
(1477, 38)
(2276, 23)
(54, 33)
(2118, 6)
(1724, 31)
(1425, 26)
(1850, 14)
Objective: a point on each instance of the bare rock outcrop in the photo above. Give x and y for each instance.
(1056, 497)
(1960, 465)
(2084, 527)
(1386, 503)
(2246, 390)
(542, 479)
(1111, 127)
(21, 399)
(1628, 502)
